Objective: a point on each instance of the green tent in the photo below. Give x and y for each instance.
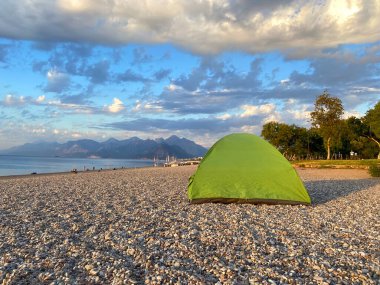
(244, 168)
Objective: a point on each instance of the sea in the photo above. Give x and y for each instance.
(22, 165)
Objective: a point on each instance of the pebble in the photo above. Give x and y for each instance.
(88, 267)
(136, 226)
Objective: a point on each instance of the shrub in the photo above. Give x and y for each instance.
(374, 170)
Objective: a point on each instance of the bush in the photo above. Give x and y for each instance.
(374, 170)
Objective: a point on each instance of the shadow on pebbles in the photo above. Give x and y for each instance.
(137, 227)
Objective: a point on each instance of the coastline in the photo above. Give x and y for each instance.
(70, 172)
(355, 171)
(24, 166)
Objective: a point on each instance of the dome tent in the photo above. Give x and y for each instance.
(244, 168)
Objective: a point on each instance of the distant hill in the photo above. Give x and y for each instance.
(187, 145)
(132, 148)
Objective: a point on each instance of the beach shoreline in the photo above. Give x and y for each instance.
(70, 172)
(363, 171)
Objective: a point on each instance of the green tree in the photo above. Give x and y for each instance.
(315, 148)
(365, 148)
(372, 120)
(292, 141)
(278, 134)
(326, 118)
(356, 127)
(356, 132)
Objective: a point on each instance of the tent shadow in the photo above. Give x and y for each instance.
(323, 191)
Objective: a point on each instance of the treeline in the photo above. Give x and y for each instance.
(330, 136)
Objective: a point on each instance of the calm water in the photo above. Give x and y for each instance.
(16, 165)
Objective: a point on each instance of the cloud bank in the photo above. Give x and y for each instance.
(205, 26)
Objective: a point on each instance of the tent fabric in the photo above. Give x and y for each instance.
(243, 168)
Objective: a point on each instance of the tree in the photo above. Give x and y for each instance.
(326, 118)
(278, 134)
(358, 136)
(355, 126)
(315, 147)
(365, 148)
(372, 120)
(292, 141)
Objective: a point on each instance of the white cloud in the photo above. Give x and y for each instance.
(40, 99)
(153, 106)
(251, 129)
(207, 26)
(301, 115)
(224, 117)
(116, 107)
(294, 111)
(285, 81)
(74, 6)
(57, 81)
(39, 131)
(137, 106)
(72, 108)
(343, 10)
(271, 118)
(253, 110)
(351, 113)
(173, 87)
(13, 100)
(368, 89)
(8, 99)
(149, 107)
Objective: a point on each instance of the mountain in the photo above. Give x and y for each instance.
(187, 145)
(37, 149)
(132, 148)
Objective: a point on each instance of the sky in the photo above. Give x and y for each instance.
(96, 69)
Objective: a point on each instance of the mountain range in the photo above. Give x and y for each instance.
(132, 148)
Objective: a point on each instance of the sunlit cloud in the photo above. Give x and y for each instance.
(252, 110)
(224, 117)
(201, 26)
(40, 99)
(74, 6)
(116, 107)
(14, 100)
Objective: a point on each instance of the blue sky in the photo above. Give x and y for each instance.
(77, 69)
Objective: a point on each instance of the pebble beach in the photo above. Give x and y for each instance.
(136, 226)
